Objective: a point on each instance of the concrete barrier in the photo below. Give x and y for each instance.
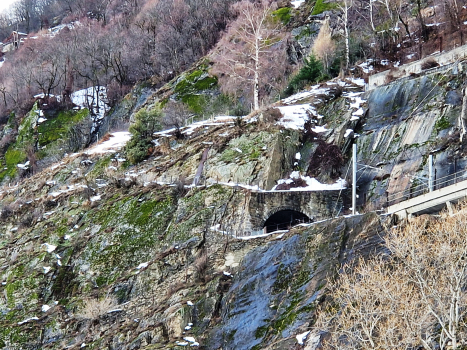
(445, 60)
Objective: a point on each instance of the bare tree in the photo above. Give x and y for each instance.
(413, 297)
(175, 115)
(244, 53)
(25, 11)
(345, 8)
(324, 46)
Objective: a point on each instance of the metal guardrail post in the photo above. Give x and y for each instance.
(354, 179)
(430, 173)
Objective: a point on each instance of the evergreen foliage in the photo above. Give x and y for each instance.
(321, 6)
(283, 14)
(147, 122)
(311, 72)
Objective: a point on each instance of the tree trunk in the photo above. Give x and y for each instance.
(463, 116)
(371, 16)
(346, 34)
(256, 80)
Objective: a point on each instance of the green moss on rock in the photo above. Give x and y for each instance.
(56, 128)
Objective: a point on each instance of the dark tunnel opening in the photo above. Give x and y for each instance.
(284, 219)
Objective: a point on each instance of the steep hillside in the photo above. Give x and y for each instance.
(98, 253)
(212, 226)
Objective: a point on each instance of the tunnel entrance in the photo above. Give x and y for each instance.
(284, 219)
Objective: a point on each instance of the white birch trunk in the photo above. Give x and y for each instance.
(346, 34)
(256, 79)
(463, 116)
(371, 16)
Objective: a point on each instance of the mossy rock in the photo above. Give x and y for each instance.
(58, 127)
(321, 6)
(129, 233)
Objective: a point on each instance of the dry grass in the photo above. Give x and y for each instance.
(175, 287)
(94, 308)
(106, 137)
(201, 266)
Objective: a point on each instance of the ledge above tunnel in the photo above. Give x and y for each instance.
(308, 206)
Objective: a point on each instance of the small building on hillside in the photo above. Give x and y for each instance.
(13, 41)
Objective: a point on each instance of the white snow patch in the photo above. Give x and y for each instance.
(50, 247)
(114, 310)
(227, 274)
(191, 340)
(348, 132)
(190, 303)
(298, 156)
(358, 101)
(319, 129)
(95, 99)
(42, 95)
(46, 269)
(314, 91)
(294, 117)
(219, 120)
(366, 66)
(301, 337)
(247, 238)
(358, 112)
(28, 320)
(95, 198)
(434, 24)
(45, 308)
(57, 29)
(297, 3)
(142, 266)
(114, 144)
(312, 183)
(41, 120)
(23, 166)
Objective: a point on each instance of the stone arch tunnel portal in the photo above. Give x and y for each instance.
(285, 219)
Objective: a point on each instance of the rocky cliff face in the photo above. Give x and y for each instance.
(407, 121)
(95, 253)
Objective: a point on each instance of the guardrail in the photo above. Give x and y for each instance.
(422, 188)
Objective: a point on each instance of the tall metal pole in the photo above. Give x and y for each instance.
(430, 172)
(354, 179)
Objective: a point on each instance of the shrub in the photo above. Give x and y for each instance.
(94, 308)
(137, 150)
(429, 63)
(147, 122)
(201, 266)
(311, 72)
(326, 158)
(283, 14)
(271, 115)
(295, 183)
(6, 212)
